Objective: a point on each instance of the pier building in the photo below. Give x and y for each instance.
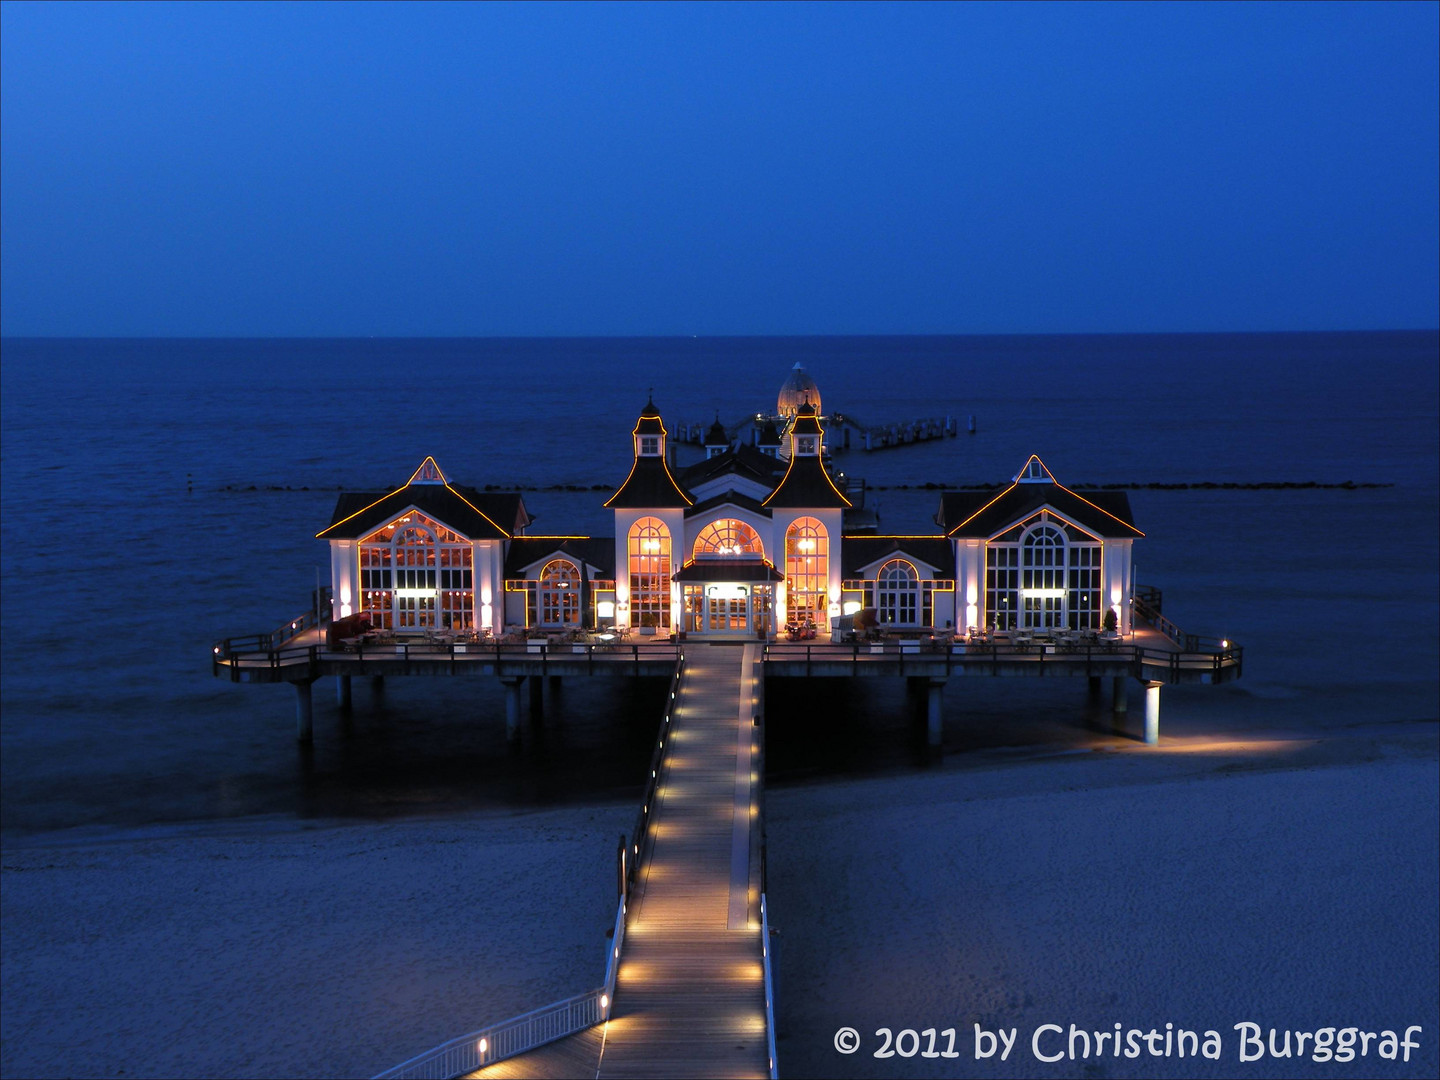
(757, 542)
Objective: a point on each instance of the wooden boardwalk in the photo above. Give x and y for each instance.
(690, 999)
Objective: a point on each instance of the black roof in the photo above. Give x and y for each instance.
(649, 422)
(598, 551)
(649, 484)
(806, 483)
(476, 515)
(716, 435)
(732, 498)
(977, 513)
(861, 551)
(728, 570)
(744, 460)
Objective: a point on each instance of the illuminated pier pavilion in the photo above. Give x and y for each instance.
(756, 542)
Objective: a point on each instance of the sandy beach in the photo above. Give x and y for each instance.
(285, 950)
(1291, 882)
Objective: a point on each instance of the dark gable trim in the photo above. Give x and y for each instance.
(1003, 509)
(861, 551)
(596, 551)
(467, 512)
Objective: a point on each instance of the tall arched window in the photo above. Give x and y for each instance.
(897, 593)
(649, 573)
(410, 567)
(728, 539)
(807, 571)
(1042, 577)
(560, 593)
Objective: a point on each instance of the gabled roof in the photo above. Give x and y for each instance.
(862, 551)
(984, 514)
(476, 515)
(598, 551)
(729, 498)
(744, 460)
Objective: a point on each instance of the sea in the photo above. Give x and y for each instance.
(159, 495)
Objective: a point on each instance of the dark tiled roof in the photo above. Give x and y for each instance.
(988, 513)
(806, 483)
(649, 484)
(861, 551)
(473, 514)
(598, 551)
(744, 461)
(805, 421)
(728, 570)
(732, 498)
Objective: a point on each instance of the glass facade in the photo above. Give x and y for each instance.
(807, 572)
(649, 549)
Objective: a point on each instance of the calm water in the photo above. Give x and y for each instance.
(158, 495)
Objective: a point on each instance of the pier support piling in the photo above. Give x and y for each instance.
(342, 692)
(1095, 690)
(935, 716)
(512, 709)
(304, 713)
(1119, 702)
(1152, 713)
(377, 687)
(537, 698)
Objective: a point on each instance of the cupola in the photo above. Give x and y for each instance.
(798, 390)
(649, 432)
(805, 432)
(716, 441)
(768, 441)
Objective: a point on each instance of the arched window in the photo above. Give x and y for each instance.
(560, 593)
(649, 573)
(417, 573)
(897, 593)
(728, 539)
(1042, 577)
(807, 571)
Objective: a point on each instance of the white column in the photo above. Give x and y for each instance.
(1152, 713)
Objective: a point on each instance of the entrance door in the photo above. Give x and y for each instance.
(727, 609)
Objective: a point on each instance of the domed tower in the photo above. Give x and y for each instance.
(799, 388)
(716, 441)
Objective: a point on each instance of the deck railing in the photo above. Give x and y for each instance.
(639, 837)
(1207, 654)
(769, 985)
(506, 1039)
(262, 651)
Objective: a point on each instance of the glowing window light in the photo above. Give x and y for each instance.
(1044, 594)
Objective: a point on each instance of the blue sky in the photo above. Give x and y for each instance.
(336, 169)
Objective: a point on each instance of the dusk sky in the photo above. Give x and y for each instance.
(456, 170)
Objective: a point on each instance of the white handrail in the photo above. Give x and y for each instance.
(505, 1039)
(769, 989)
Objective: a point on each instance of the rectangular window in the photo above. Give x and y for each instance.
(1084, 587)
(1002, 585)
